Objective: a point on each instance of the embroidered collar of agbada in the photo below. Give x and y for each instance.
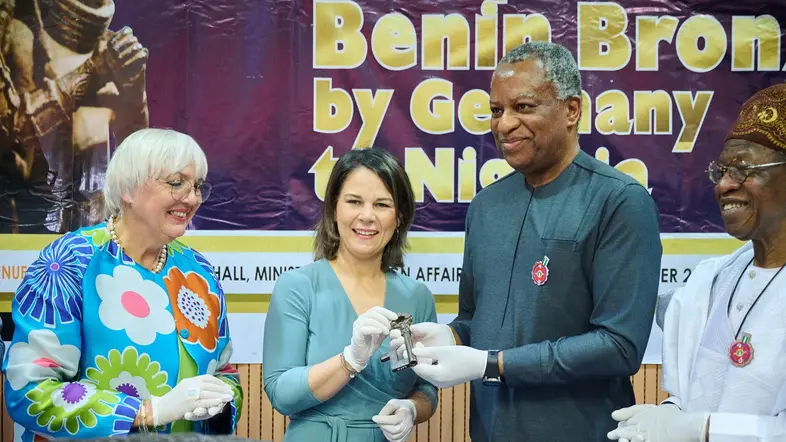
(762, 118)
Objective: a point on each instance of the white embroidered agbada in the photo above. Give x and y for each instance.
(746, 404)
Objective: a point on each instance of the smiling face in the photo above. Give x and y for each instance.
(755, 209)
(531, 126)
(365, 215)
(164, 206)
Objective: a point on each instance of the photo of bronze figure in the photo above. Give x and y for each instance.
(71, 89)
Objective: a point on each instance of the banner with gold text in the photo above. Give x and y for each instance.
(275, 92)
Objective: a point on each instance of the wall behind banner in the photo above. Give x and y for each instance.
(276, 91)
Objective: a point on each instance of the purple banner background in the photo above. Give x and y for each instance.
(238, 77)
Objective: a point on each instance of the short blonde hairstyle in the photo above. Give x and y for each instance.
(145, 154)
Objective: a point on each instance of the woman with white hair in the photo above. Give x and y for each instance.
(119, 327)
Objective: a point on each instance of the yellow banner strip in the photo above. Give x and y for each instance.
(698, 246)
(302, 244)
(263, 244)
(260, 303)
(242, 303)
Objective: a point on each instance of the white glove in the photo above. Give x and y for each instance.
(430, 334)
(368, 332)
(396, 419)
(455, 364)
(631, 434)
(659, 423)
(204, 391)
(202, 413)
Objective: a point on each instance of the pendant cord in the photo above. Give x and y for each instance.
(731, 298)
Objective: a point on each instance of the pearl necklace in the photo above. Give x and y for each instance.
(110, 225)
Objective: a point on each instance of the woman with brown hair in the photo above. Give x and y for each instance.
(327, 324)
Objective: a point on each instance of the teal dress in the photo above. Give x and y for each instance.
(309, 321)
(96, 333)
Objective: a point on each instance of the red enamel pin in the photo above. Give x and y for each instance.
(741, 351)
(540, 271)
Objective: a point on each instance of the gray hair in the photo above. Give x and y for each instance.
(557, 62)
(146, 154)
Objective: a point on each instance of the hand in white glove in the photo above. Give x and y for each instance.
(429, 334)
(396, 419)
(621, 416)
(368, 332)
(202, 413)
(455, 364)
(204, 391)
(661, 423)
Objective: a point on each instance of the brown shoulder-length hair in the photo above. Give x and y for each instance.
(389, 170)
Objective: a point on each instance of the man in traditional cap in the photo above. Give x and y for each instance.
(76, 83)
(724, 332)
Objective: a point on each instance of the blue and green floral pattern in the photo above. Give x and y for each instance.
(96, 334)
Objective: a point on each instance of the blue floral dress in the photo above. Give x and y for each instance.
(96, 333)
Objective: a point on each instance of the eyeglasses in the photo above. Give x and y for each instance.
(738, 174)
(181, 189)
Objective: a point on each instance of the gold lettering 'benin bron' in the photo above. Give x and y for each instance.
(406, 360)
